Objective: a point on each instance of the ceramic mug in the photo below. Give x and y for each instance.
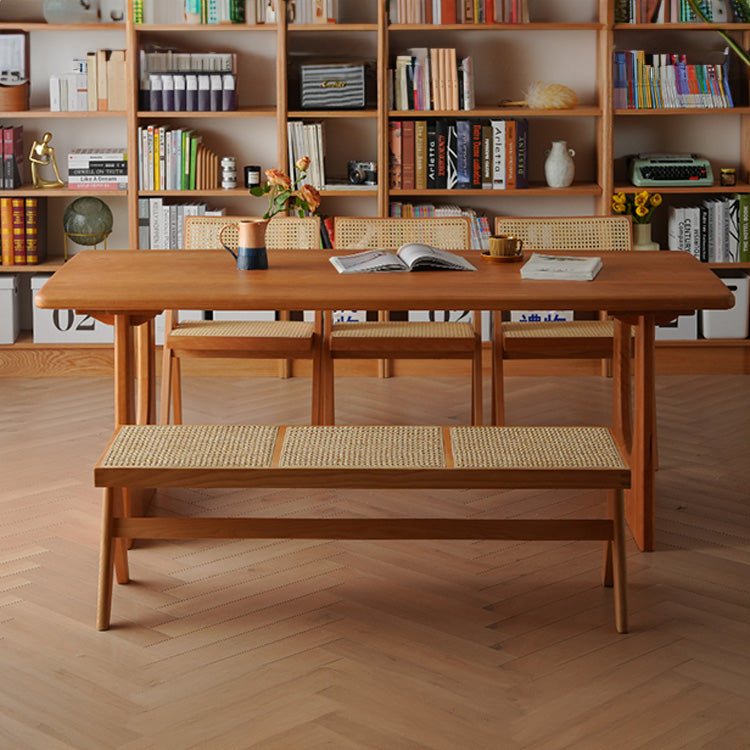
(505, 244)
(251, 248)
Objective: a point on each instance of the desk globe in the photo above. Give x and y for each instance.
(87, 221)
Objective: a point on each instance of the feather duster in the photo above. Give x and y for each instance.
(542, 95)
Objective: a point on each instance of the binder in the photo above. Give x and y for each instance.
(191, 92)
(167, 92)
(180, 99)
(155, 92)
(204, 92)
(216, 92)
(229, 97)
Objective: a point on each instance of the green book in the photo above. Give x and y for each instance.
(744, 227)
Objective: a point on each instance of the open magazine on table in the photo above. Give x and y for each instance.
(411, 256)
(565, 267)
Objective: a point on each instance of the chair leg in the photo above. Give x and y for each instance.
(617, 506)
(498, 384)
(327, 402)
(476, 386)
(106, 562)
(166, 385)
(177, 391)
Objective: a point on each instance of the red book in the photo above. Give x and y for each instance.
(407, 154)
(394, 154)
(12, 156)
(448, 11)
(18, 222)
(510, 154)
(476, 154)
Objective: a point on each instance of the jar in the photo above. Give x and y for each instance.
(728, 177)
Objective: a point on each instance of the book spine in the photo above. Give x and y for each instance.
(476, 154)
(6, 231)
(32, 245)
(744, 227)
(451, 157)
(420, 154)
(394, 153)
(463, 153)
(510, 154)
(431, 155)
(498, 154)
(522, 153)
(407, 155)
(441, 137)
(486, 157)
(18, 220)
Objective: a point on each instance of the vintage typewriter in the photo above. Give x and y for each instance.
(670, 170)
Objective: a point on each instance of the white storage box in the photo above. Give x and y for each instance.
(10, 318)
(732, 323)
(66, 326)
(683, 328)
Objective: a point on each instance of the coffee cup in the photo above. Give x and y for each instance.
(505, 245)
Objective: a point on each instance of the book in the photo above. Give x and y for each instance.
(411, 256)
(394, 153)
(407, 154)
(563, 267)
(476, 154)
(463, 154)
(420, 154)
(102, 89)
(12, 156)
(18, 224)
(36, 245)
(6, 231)
(117, 93)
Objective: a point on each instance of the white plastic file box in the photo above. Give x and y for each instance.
(66, 326)
(732, 323)
(10, 318)
(683, 328)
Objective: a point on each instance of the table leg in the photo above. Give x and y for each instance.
(640, 504)
(146, 373)
(124, 372)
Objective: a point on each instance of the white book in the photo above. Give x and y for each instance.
(467, 81)
(498, 154)
(562, 267)
(155, 220)
(54, 93)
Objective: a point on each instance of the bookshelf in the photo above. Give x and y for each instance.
(507, 57)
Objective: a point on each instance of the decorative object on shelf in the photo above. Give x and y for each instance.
(728, 177)
(282, 192)
(228, 173)
(42, 155)
(14, 71)
(87, 221)
(71, 11)
(113, 11)
(541, 95)
(640, 207)
(559, 167)
(252, 176)
(251, 252)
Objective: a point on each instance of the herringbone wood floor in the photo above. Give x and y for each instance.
(455, 645)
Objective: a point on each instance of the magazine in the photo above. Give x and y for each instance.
(409, 257)
(565, 267)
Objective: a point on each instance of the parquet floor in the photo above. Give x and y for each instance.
(303, 645)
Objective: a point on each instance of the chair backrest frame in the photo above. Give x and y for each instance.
(364, 233)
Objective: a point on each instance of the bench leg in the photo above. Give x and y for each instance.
(607, 574)
(617, 506)
(106, 561)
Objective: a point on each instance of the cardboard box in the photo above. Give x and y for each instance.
(10, 318)
(732, 323)
(66, 326)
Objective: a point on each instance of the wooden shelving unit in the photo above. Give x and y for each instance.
(257, 131)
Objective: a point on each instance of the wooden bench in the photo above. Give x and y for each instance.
(366, 457)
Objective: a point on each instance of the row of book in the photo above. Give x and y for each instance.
(187, 81)
(480, 225)
(458, 154)
(175, 159)
(11, 174)
(680, 11)
(212, 11)
(667, 81)
(22, 243)
(312, 11)
(98, 169)
(715, 231)
(458, 11)
(432, 79)
(306, 139)
(95, 83)
(161, 223)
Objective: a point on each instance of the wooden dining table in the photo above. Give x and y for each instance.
(128, 288)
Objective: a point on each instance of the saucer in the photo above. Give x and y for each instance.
(502, 258)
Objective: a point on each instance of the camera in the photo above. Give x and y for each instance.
(363, 173)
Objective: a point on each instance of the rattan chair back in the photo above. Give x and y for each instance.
(284, 232)
(362, 233)
(569, 232)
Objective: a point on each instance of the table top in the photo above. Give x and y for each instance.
(130, 281)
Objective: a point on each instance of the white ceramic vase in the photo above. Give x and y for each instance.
(559, 167)
(642, 238)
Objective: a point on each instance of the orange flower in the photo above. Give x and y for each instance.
(275, 177)
(302, 163)
(311, 196)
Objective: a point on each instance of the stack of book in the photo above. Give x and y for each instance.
(463, 11)
(480, 225)
(667, 81)
(679, 11)
(715, 231)
(161, 223)
(432, 79)
(194, 11)
(95, 83)
(175, 159)
(188, 81)
(98, 169)
(22, 243)
(306, 139)
(12, 157)
(458, 154)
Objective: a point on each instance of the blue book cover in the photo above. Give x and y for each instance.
(463, 154)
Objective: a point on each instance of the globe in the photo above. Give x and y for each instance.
(87, 221)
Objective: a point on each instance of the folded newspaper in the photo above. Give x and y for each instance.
(564, 267)
(409, 257)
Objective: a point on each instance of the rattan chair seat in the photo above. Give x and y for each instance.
(403, 329)
(291, 329)
(561, 329)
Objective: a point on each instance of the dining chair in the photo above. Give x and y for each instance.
(386, 338)
(250, 339)
(575, 339)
